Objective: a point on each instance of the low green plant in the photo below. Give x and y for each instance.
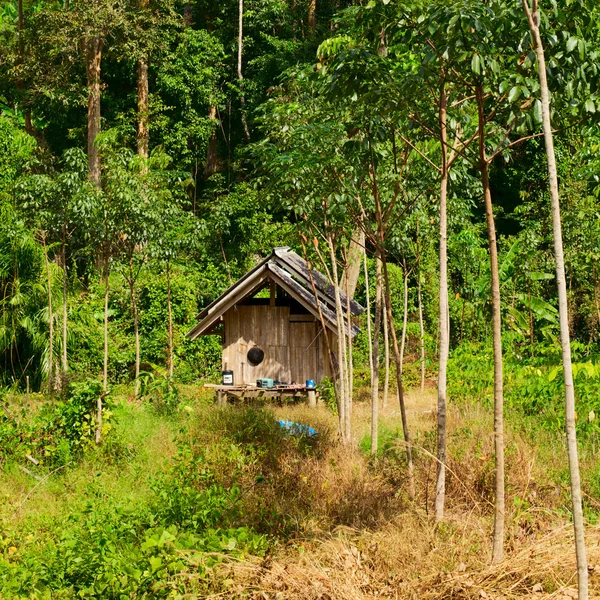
(327, 395)
(161, 392)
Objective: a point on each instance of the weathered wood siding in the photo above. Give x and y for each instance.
(294, 350)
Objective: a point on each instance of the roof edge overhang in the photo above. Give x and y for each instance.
(250, 284)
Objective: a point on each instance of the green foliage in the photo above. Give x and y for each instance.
(534, 388)
(61, 431)
(327, 395)
(161, 392)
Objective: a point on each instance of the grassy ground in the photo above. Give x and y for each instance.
(291, 518)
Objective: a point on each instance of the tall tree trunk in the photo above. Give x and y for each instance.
(136, 331)
(143, 134)
(371, 361)
(20, 25)
(440, 488)
(374, 351)
(20, 84)
(578, 523)
(350, 358)
(239, 67)
(345, 419)
(93, 56)
(404, 316)
(50, 317)
(498, 542)
(328, 349)
(386, 351)
(312, 15)
(212, 155)
(354, 256)
(398, 360)
(421, 331)
(105, 331)
(65, 363)
(170, 313)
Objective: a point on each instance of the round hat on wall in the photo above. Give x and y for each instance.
(255, 355)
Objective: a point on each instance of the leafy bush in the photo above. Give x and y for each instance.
(534, 386)
(61, 430)
(161, 392)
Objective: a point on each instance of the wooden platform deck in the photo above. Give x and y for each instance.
(223, 392)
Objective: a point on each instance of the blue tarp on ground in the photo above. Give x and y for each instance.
(297, 428)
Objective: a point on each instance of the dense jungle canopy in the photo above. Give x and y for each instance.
(203, 153)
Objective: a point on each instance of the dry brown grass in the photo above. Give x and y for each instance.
(411, 558)
(365, 541)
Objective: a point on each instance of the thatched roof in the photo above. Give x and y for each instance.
(291, 273)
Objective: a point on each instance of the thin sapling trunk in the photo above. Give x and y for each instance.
(563, 308)
(398, 359)
(50, 317)
(386, 351)
(342, 359)
(440, 488)
(498, 542)
(136, 332)
(421, 332)
(65, 363)
(239, 67)
(374, 351)
(404, 316)
(170, 313)
(105, 332)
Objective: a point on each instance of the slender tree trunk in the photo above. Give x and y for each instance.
(578, 523)
(50, 317)
(170, 313)
(350, 358)
(20, 25)
(498, 543)
(106, 295)
(352, 270)
(374, 351)
(93, 53)
(143, 134)
(330, 354)
(342, 359)
(440, 488)
(371, 362)
(239, 67)
(397, 355)
(404, 317)
(386, 349)
(421, 331)
(20, 84)
(99, 419)
(136, 331)
(65, 363)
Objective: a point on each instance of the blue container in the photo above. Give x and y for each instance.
(310, 384)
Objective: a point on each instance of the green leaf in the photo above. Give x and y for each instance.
(571, 43)
(540, 276)
(537, 111)
(476, 64)
(590, 106)
(553, 373)
(514, 93)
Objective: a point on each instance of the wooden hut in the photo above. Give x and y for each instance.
(273, 310)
